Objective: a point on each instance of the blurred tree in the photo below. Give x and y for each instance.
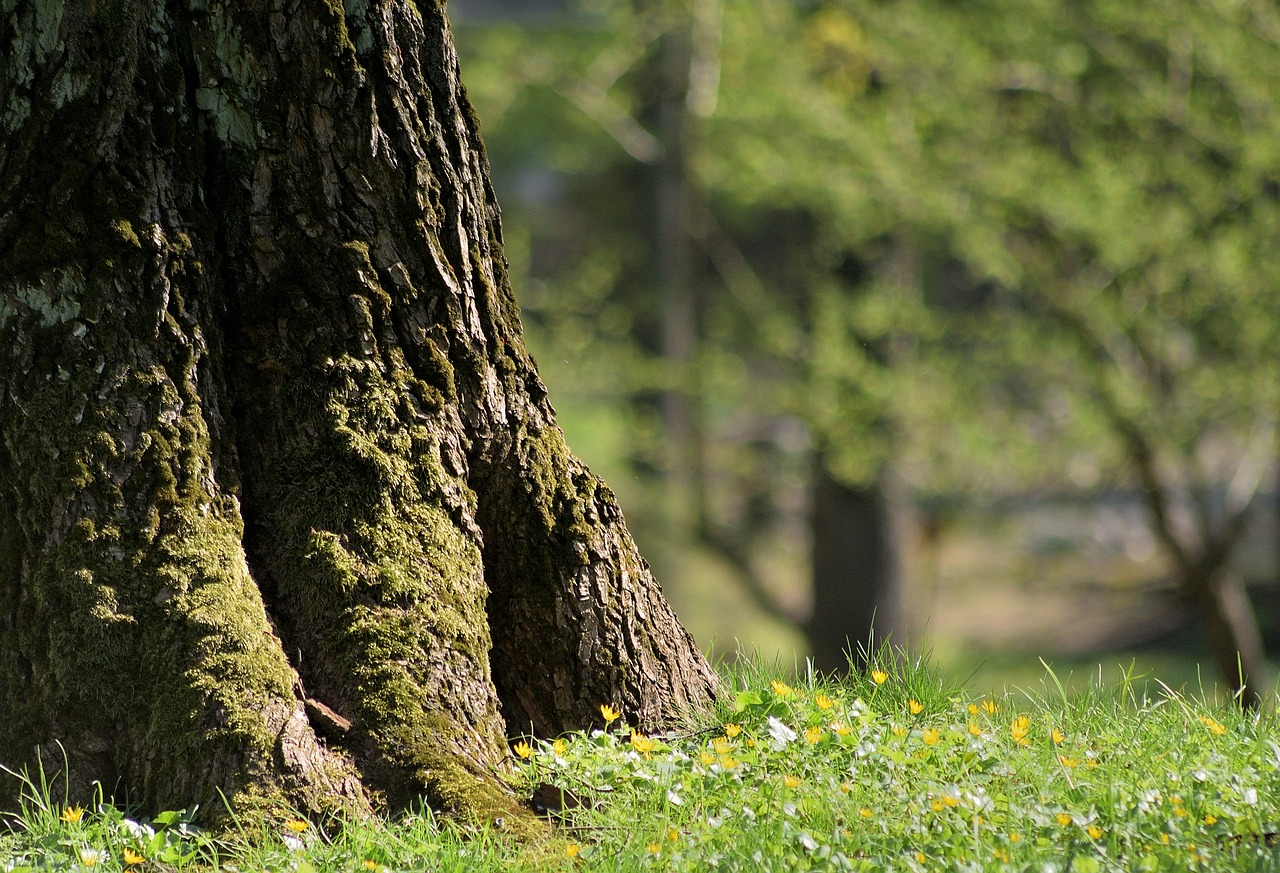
(992, 245)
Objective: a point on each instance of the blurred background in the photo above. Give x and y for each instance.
(955, 323)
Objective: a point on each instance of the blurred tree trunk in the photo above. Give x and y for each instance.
(858, 598)
(284, 512)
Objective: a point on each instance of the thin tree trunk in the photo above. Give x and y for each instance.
(1231, 626)
(857, 570)
(286, 515)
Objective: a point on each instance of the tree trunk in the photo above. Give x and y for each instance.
(1231, 628)
(285, 512)
(857, 570)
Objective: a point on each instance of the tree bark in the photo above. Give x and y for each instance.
(285, 514)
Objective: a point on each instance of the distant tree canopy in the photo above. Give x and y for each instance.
(998, 244)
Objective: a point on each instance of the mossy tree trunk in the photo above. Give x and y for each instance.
(284, 511)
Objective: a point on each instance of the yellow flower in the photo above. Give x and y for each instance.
(840, 728)
(560, 747)
(845, 787)
(1001, 855)
(571, 850)
(915, 706)
(948, 800)
(131, 857)
(1179, 812)
(990, 707)
(672, 835)
(297, 825)
(823, 701)
(791, 781)
(1210, 819)
(654, 849)
(1164, 838)
(722, 745)
(90, 857)
(973, 709)
(1013, 838)
(641, 743)
(1094, 832)
(813, 735)
(706, 758)
(936, 805)
(899, 731)
(920, 857)
(865, 813)
(370, 864)
(1215, 727)
(732, 730)
(932, 736)
(879, 677)
(975, 730)
(1019, 729)
(610, 715)
(523, 749)
(728, 762)
(1064, 818)
(1058, 737)
(781, 689)
(72, 814)
(1068, 762)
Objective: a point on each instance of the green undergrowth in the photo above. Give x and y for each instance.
(892, 769)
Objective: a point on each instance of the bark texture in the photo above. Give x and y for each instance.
(284, 511)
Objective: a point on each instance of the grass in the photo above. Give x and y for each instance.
(893, 769)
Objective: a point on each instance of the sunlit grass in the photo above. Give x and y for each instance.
(893, 769)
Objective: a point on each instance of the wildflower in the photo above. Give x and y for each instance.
(1058, 737)
(915, 706)
(1001, 855)
(950, 800)
(932, 736)
(560, 747)
(1215, 727)
(1164, 839)
(791, 781)
(370, 864)
(865, 813)
(845, 787)
(781, 689)
(840, 728)
(1019, 729)
(899, 731)
(823, 701)
(654, 849)
(72, 814)
(642, 744)
(1064, 819)
(731, 730)
(1015, 837)
(973, 709)
(936, 805)
(920, 857)
(523, 749)
(706, 758)
(1094, 832)
(975, 730)
(728, 762)
(672, 835)
(571, 850)
(989, 707)
(1068, 762)
(610, 715)
(131, 857)
(813, 735)
(1211, 819)
(297, 825)
(722, 745)
(90, 857)
(879, 677)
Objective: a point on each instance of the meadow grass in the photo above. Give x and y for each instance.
(892, 769)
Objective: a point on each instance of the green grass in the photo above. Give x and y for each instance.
(905, 773)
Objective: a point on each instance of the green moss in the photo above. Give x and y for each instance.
(124, 230)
